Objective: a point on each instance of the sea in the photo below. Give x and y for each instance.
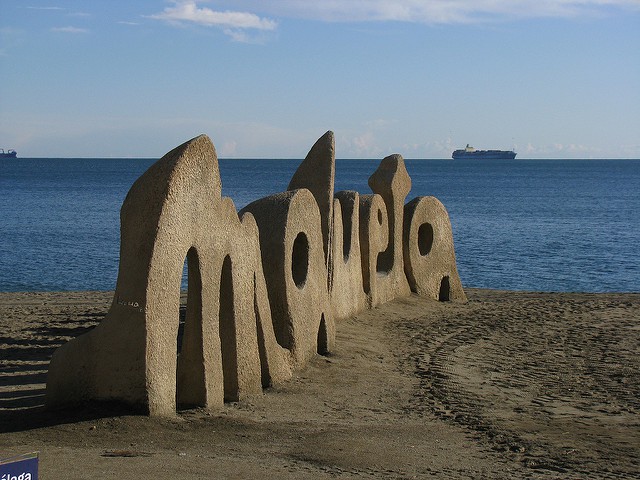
(532, 225)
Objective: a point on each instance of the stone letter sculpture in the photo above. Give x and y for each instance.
(265, 286)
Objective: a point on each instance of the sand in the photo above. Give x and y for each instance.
(508, 385)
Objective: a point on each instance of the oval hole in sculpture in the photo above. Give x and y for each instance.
(379, 217)
(425, 239)
(300, 260)
(347, 213)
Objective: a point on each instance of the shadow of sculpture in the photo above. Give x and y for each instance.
(23, 373)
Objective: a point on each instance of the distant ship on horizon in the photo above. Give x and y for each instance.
(8, 153)
(471, 153)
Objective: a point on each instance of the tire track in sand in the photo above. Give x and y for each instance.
(554, 385)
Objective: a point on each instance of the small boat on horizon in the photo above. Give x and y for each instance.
(8, 153)
(471, 153)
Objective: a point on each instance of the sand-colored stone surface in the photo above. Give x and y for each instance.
(264, 290)
(429, 255)
(508, 385)
(174, 211)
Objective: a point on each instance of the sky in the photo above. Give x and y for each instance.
(265, 79)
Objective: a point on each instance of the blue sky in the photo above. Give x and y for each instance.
(552, 79)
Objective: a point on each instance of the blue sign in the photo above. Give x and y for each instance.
(22, 467)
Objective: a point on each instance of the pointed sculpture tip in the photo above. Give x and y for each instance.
(202, 148)
(324, 146)
(327, 139)
(202, 141)
(199, 143)
(197, 154)
(393, 158)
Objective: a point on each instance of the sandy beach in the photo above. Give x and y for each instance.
(508, 385)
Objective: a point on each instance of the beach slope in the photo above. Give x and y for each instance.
(508, 385)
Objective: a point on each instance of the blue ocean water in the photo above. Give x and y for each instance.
(542, 225)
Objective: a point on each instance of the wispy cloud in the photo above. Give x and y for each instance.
(44, 8)
(69, 30)
(61, 9)
(436, 11)
(233, 23)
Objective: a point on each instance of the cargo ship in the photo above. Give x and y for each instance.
(471, 153)
(8, 153)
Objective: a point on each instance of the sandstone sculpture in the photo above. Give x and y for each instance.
(429, 258)
(265, 286)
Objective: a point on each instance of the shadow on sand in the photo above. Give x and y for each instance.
(23, 377)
